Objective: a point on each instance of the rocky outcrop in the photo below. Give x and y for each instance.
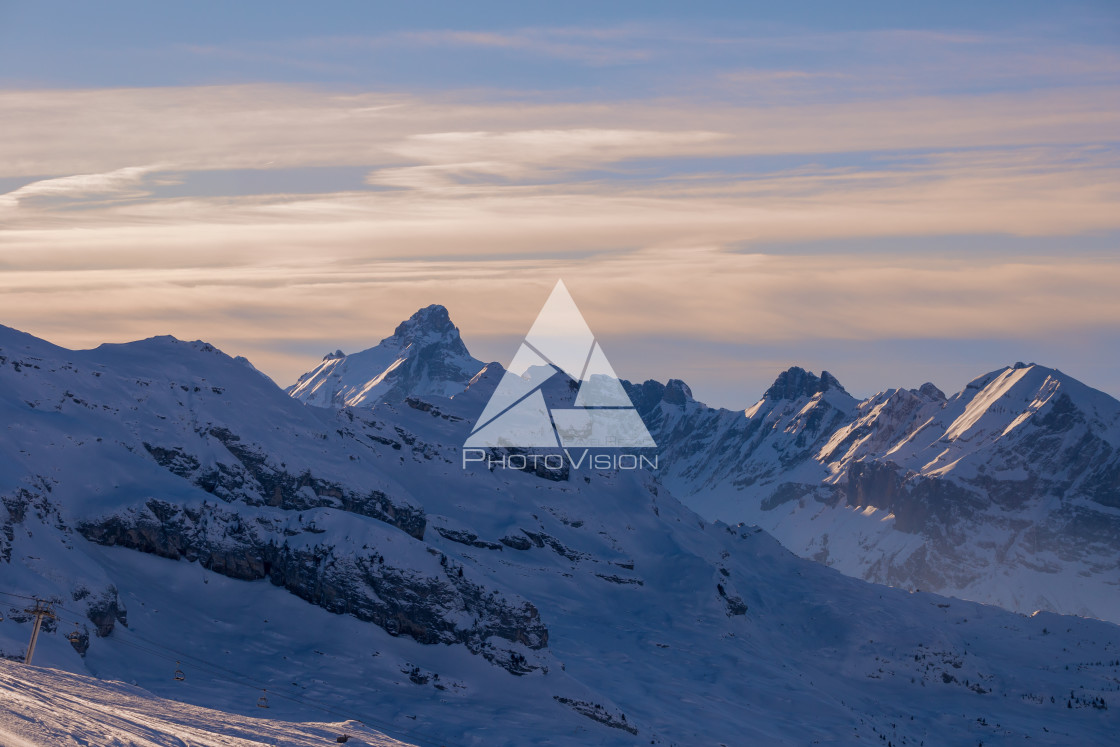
(256, 481)
(403, 601)
(465, 537)
(517, 542)
(597, 712)
(797, 382)
(104, 609)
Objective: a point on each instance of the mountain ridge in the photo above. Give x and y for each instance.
(942, 479)
(1002, 492)
(837, 478)
(173, 502)
(855, 484)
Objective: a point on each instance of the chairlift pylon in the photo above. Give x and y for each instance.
(262, 702)
(179, 676)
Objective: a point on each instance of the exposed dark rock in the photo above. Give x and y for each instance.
(622, 580)
(796, 382)
(466, 538)
(930, 391)
(596, 712)
(517, 543)
(105, 610)
(175, 460)
(677, 392)
(403, 602)
(540, 539)
(786, 492)
(425, 406)
(256, 481)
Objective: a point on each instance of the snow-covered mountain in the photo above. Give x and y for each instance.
(1008, 492)
(424, 356)
(182, 513)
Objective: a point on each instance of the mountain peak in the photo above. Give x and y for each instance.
(677, 392)
(648, 395)
(930, 391)
(424, 356)
(796, 382)
(429, 320)
(429, 327)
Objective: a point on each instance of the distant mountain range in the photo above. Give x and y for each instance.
(1008, 492)
(180, 511)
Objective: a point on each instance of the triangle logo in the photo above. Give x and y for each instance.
(560, 342)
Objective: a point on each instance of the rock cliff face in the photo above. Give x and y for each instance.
(302, 555)
(255, 481)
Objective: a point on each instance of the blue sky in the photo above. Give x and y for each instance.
(577, 48)
(892, 191)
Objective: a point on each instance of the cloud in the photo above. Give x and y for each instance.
(544, 201)
(231, 127)
(120, 183)
(451, 157)
(281, 312)
(668, 217)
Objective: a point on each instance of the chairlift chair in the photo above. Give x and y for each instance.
(74, 636)
(262, 702)
(179, 673)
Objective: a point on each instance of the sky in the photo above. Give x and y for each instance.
(894, 192)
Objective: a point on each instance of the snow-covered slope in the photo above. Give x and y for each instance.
(178, 507)
(1007, 492)
(41, 706)
(773, 442)
(424, 356)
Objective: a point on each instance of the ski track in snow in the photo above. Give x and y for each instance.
(41, 707)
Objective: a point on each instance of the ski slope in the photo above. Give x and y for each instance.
(41, 707)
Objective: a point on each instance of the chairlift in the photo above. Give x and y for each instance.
(179, 676)
(262, 702)
(74, 636)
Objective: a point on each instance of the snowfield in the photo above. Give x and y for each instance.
(180, 511)
(41, 707)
